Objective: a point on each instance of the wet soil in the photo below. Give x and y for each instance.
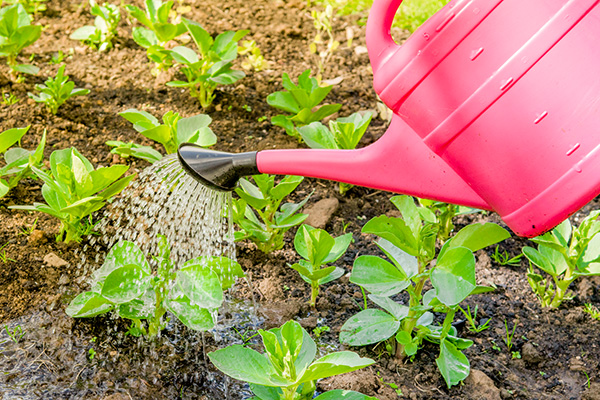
(57, 357)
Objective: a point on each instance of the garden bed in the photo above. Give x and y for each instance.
(60, 357)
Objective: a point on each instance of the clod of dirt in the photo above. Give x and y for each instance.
(530, 354)
(37, 237)
(363, 381)
(278, 312)
(52, 260)
(481, 386)
(320, 213)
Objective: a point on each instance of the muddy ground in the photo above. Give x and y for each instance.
(61, 358)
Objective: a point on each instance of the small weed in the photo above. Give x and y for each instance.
(59, 57)
(15, 334)
(516, 355)
(8, 99)
(319, 330)
(543, 374)
(505, 259)
(261, 119)
(592, 310)
(509, 335)
(27, 231)
(286, 288)
(495, 346)
(91, 354)
(244, 336)
(587, 383)
(3, 257)
(472, 318)
(390, 384)
(247, 108)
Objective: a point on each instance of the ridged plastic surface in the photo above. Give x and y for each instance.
(497, 106)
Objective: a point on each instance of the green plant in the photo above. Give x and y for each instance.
(127, 284)
(3, 256)
(245, 337)
(212, 67)
(91, 354)
(472, 319)
(264, 198)
(319, 330)
(592, 311)
(509, 336)
(25, 231)
(31, 6)
(174, 130)
(9, 99)
(101, 35)
(565, 253)
(287, 370)
(19, 162)
(318, 248)
(445, 213)
(505, 259)
(56, 91)
(15, 334)
(323, 44)
(58, 58)
(390, 384)
(343, 133)
(409, 242)
(131, 149)
(254, 60)
(158, 32)
(300, 101)
(74, 190)
(16, 33)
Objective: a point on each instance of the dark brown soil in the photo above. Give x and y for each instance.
(62, 358)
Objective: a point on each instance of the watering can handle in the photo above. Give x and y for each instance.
(380, 43)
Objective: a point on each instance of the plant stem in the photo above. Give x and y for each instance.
(314, 293)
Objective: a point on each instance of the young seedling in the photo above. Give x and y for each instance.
(27, 231)
(100, 36)
(15, 334)
(9, 99)
(343, 133)
(131, 149)
(73, 190)
(174, 130)
(56, 91)
(254, 60)
(505, 259)
(19, 162)
(16, 33)
(128, 285)
(409, 242)
(265, 199)
(31, 6)
(565, 253)
(300, 101)
(592, 310)
(445, 213)
(509, 336)
(288, 371)
(3, 256)
(324, 43)
(472, 319)
(212, 67)
(318, 248)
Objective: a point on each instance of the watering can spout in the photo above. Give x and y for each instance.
(398, 162)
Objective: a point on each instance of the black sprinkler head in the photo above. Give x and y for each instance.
(216, 169)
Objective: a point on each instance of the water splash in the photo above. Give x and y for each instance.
(164, 200)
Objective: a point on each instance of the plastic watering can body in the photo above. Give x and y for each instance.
(496, 105)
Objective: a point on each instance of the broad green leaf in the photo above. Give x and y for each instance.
(4, 188)
(144, 37)
(378, 276)
(317, 136)
(201, 285)
(226, 269)
(283, 101)
(246, 365)
(10, 137)
(478, 236)
(410, 213)
(334, 364)
(192, 316)
(454, 276)
(188, 127)
(563, 232)
(160, 134)
(453, 365)
(368, 327)
(339, 248)
(395, 231)
(125, 284)
(540, 260)
(339, 394)
(184, 55)
(121, 254)
(83, 33)
(136, 117)
(88, 304)
(286, 186)
(408, 265)
(202, 38)
(139, 308)
(265, 392)
(397, 310)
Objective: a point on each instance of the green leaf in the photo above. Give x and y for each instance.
(286, 186)
(334, 364)
(453, 364)
(378, 276)
(83, 33)
(410, 213)
(121, 254)
(339, 394)
(454, 276)
(10, 137)
(317, 136)
(202, 39)
(395, 231)
(246, 365)
(139, 308)
(339, 248)
(283, 101)
(541, 259)
(478, 236)
(201, 285)
(406, 263)
(368, 327)
(226, 269)
(125, 284)
(192, 316)
(397, 310)
(88, 304)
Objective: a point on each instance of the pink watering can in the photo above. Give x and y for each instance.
(496, 106)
